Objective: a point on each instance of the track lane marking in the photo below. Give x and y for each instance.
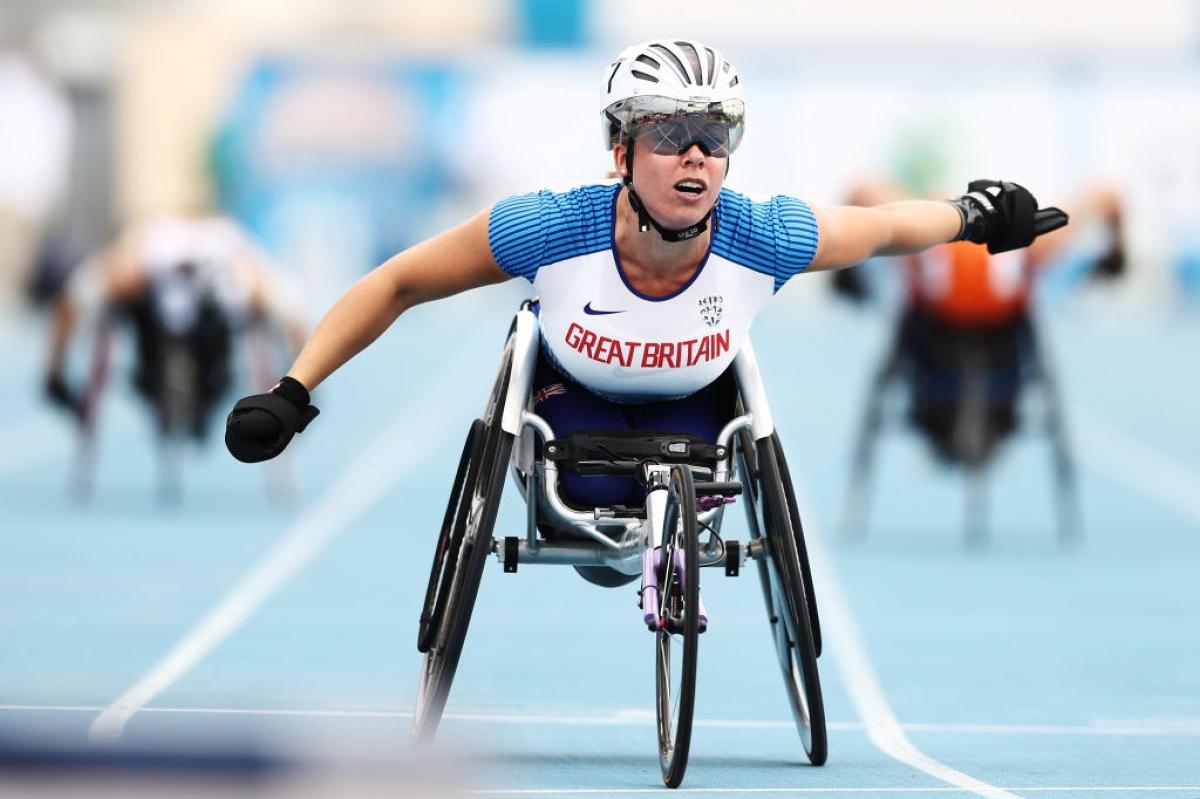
(1129, 460)
(1131, 728)
(816, 791)
(359, 486)
(854, 665)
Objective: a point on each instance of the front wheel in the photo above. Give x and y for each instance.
(677, 637)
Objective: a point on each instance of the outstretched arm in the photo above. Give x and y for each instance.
(850, 235)
(1004, 216)
(454, 261)
(260, 427)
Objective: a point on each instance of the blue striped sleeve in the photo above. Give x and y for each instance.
(777, 237)
(530, 231)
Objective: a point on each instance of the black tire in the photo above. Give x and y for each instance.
(810, 595)
(781, 573)
(461, 554)
(445, 557)
(750, 467)
(678, 637)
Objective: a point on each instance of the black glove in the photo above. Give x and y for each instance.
(60, 394)
(259, 427)
(1004, 216)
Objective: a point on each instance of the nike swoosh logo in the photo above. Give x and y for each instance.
(588, 309)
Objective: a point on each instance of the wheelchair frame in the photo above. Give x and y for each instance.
(173, 408)
(652, 545)
(1041, 375)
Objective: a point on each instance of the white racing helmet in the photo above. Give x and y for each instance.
(664, 78)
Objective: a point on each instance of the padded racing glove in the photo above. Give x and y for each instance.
(260, 427)
(1004, 216)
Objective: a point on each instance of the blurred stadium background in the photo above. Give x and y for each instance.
(340, 132)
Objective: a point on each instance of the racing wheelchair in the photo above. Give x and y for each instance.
(181, 372)
(666, 541)
(965, 386)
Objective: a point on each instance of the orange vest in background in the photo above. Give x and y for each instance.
(962, 284)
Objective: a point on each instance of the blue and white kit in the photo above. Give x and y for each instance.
(645, 363)
(621, 344)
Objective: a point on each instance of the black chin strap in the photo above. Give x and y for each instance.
(645, 221)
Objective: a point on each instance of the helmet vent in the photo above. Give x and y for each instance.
(674, 61)
(734, 82)
(694, 59)
(613, 74)
(647, 60)
(712, 65)
(637, 73)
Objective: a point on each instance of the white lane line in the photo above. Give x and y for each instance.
(1072, 789)
(850, 654)
(392, 455)
(1131, 728)
(1111, 450)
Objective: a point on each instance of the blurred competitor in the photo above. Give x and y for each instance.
(965, 303)
(966, 344)
(647, 287)
(187, 286)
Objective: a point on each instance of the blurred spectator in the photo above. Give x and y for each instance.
(35, 146)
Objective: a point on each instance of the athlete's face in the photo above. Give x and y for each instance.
(677, 189)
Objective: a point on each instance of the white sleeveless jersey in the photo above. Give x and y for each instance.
(624, 345)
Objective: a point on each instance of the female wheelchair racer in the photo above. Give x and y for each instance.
(647, 290)
(686, 482)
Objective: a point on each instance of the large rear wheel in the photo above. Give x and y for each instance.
(461, 554)
(771, 514)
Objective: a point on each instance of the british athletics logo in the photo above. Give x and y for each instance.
(647, 354)
(712, 308)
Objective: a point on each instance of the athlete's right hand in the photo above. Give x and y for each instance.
(259, 427)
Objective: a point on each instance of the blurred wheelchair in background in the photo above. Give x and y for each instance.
(966, 388)
(666, 540)
(184, 345)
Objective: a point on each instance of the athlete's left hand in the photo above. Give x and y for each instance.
(1004, 216)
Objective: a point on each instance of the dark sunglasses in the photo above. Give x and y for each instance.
(675, 135)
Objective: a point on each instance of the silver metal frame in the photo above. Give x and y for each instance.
(592, 538)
